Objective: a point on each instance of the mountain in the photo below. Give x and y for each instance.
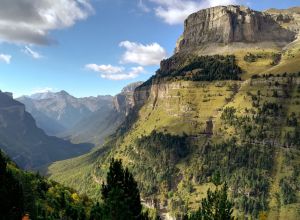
(211, 30)
(57, 112)
(82, 120)
(226, 102)
(95, 127)
(232, 24)
(27, 144)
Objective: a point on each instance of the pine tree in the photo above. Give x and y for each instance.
(215, 206)
(120, 194)
(11, 195)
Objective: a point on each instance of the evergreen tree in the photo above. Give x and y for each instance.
(216, 178)
(120, 194)
(11, 196)
(215, 206)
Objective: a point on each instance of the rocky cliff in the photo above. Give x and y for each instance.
(234, 24)
(124, 101)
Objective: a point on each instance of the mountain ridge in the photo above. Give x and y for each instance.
(61, 109)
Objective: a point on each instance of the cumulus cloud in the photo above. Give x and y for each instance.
(176, 11)
(115, 72)
(144, 55)
(29, 21)
(5, 58)
(32, 53)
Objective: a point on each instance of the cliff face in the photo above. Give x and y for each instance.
(287, 18)
(229, 24)
(124, 101)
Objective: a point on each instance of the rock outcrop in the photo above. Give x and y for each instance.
(232, 24)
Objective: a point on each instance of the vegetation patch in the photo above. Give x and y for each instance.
(201, 68)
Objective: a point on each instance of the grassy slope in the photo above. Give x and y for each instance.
(281, 169)
(290, 60)
(185, 107)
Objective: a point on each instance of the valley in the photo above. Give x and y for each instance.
(225, 105)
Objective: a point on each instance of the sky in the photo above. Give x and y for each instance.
(93, 47)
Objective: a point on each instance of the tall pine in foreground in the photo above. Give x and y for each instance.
(120, 194)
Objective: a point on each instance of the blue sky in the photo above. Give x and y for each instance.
(95, 47)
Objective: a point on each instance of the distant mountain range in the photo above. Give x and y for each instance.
(24, 134)
(57, 112)
(82, 120)
(27, 144)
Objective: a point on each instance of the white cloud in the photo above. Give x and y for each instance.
(105, 68)
(135, 72)
(5, 58)
(144, 55)
(29, 21)
(32, 53)
(115, 72)
(176, 11)
(42, 90)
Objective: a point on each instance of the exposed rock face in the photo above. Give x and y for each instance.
(288, 18)
(230, 24)
(124, 101)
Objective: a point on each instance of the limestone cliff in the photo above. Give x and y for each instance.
(234, 24)
(124, 101)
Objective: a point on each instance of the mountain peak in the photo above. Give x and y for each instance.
(63, 92)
